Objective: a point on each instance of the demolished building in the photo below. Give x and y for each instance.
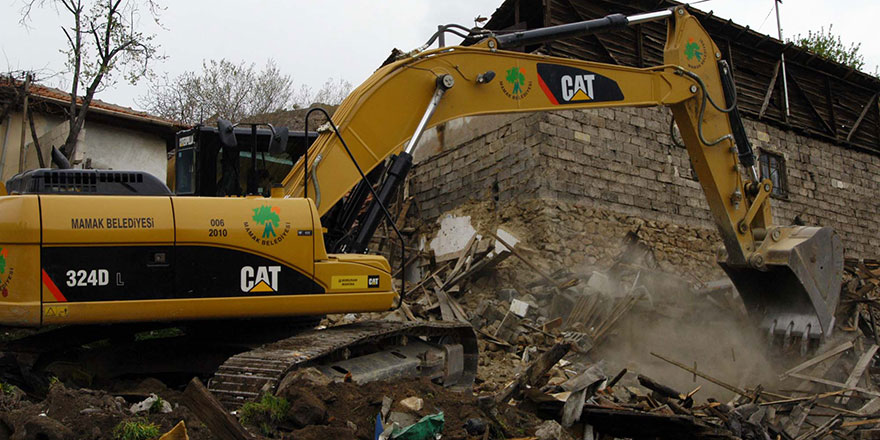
(821, 147)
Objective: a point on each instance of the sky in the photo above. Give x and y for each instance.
(348, 39)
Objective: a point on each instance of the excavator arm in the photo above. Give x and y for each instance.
(789, 277)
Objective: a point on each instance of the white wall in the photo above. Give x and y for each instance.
(102, 146)
(110, 147)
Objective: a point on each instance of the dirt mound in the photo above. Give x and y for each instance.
(81, 414)
(356, 406)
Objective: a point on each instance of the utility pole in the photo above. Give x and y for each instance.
(782, 57)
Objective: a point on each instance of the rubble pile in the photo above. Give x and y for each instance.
(548, 337)
(590, 325)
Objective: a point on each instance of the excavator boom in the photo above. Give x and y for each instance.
(788, 277)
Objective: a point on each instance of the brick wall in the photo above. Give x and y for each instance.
(623, 160)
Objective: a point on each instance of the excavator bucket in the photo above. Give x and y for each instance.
(795, 293)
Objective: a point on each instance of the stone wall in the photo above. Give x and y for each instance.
(623, 160)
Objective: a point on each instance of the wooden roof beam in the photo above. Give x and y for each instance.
(868, 106)
(769, 90)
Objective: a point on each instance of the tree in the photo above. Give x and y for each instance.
(331, 93)
(222, 89)
(830, 46)
(103, 40)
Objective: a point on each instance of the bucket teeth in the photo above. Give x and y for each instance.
(795, 293)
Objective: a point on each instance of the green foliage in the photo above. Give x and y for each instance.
(6, 388)
(156, 407)
(828, 45)
(264, 414)
(138, 429)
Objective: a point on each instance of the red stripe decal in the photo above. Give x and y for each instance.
(53, 288)
(547, 91)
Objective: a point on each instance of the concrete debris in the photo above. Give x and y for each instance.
(413, 403)
(152, 404)
(552, 430)
(452, 237)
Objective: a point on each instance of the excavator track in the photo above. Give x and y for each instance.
(247, 375)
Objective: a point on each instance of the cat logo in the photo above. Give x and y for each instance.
(563, 84)
(577, 87)
(373, 281)
(56, 312)
(262, 279)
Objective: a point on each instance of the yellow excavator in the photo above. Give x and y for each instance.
(88, 247)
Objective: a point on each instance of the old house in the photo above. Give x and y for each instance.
(821, 147)
(113, 137)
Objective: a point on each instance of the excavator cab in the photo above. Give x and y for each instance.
(227, 160)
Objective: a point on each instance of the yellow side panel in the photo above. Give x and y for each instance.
(20, 220)
(221, 308)
(103, 220)
(20, 261)
(20, 285)
(276, 228)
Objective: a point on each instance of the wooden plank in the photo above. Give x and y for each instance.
(524, 260)
(484, 263)
(803, 399)
(769, 90)
(459, 312)
(819, 404)
(867, 107)
(212, 413)
(859, 423)
(820, 358)
(401, 217)
(857, 371)
(835, 384)
(640, 46)
(703, 375)
(811, 105)
(829, 100)
(426, 280)
(462, 257)
(533, 373)
(871, 407)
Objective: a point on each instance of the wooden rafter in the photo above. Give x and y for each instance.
(858, 122)
(829, 99)
(605, 48)
(640, 46)
(595, 36)
(811, 105)
(769, 90)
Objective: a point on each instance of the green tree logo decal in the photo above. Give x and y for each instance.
(692, 49)
(516, 77)
(3, 254)
(268, 216)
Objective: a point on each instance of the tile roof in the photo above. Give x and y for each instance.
(61, 97)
